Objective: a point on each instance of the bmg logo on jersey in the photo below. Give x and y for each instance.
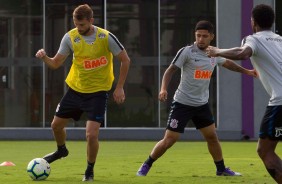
(202, 74)
(173, 123)
(95, 63)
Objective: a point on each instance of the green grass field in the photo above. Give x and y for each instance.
(117, 163)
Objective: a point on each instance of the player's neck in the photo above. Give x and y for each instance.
(91, 31)
(258, 29)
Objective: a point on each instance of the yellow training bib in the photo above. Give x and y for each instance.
(92, 64)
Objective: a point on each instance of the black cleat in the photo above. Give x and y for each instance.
(51, 157)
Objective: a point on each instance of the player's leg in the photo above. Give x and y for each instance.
(159, 149)
(178, 118)
(92, 134)
(272, 162)
(66, 109)
(270, 133)
(214, 147)
(95, 107)
(204, 122)
(209, 133)
(58, 128)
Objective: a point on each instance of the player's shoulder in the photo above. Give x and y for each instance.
(191, 50)
(253, 38)
(187, 49)
(72, 31)
(66, 38)
(96, 28)
(190, 47)
(260, 37)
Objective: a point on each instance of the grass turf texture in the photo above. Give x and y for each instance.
(117, 163)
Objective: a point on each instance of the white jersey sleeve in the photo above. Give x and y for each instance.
(65, 46)
(114, 45)
(180, 58)
(250, 42)
(220, 60)
(267, 60)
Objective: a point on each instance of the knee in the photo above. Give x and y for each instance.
(265, 155)
(261, 153)
(168, 142)
(211, 138)
(91, 136)
(56, 127)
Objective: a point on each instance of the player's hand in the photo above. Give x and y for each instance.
(212, 51)
(253, 73)
(40, 54)
(119, 96)
(163, 95)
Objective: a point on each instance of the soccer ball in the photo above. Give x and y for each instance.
(38, 169)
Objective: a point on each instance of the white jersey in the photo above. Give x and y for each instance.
(267, 60)
(196, 71)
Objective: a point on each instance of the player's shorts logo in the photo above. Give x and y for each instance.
(173, 123)
(278, 132)
(58, 107)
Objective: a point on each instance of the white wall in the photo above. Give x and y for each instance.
(229, 83)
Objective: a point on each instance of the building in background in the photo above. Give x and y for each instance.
(152, 31)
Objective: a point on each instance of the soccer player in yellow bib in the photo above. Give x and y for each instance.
(89, 80)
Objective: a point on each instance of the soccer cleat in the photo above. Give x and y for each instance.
(51, 157)
(143, 170)
(88, 178)
(228, 172)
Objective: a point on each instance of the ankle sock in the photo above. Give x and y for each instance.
(62, 147)
(89, 169)
(150, 161)
(220, 165)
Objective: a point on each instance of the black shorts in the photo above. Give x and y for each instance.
(180, 114)
(271, 125)
(73, 104)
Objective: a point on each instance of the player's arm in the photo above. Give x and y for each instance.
(166, 80)
(237, 53)
(60, 57)
(230, 65)
(118, 94)
(119, 51)
(52, 63)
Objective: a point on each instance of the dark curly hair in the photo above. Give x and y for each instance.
(263, 15)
